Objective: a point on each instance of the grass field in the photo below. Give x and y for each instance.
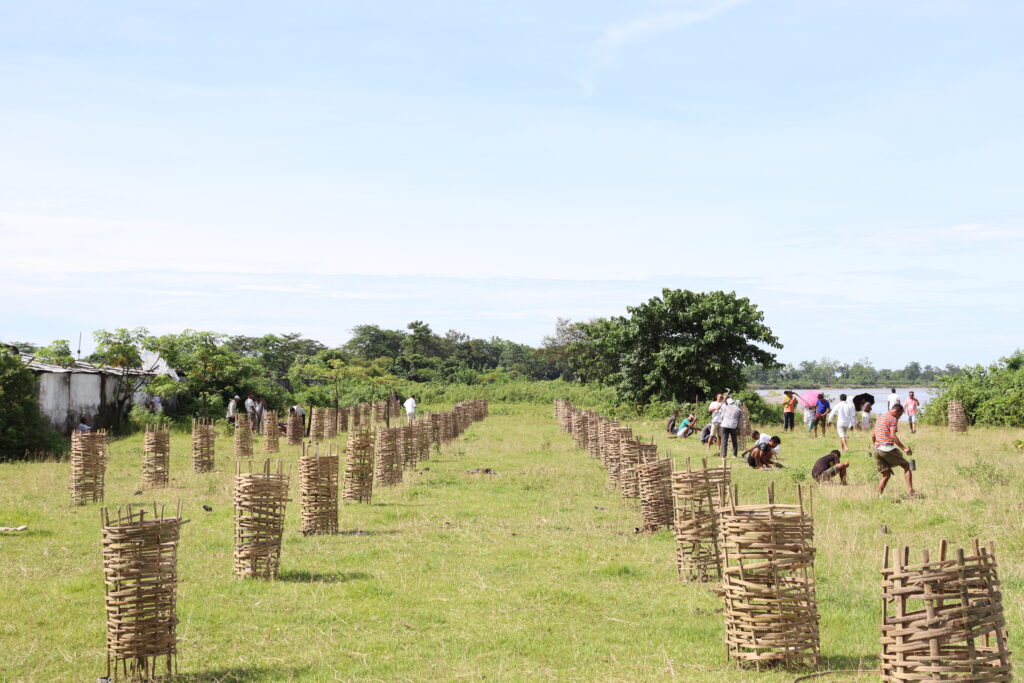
(533, 573)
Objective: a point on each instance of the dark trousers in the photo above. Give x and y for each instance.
(787, 422)
(730, 433)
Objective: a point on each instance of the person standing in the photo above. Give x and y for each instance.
(912, 408)
(410, 407)
(716, 420)
(893, 398)
(821, 411)
(233, 409)
(730, 416)
(789, 411)
(261, 409)
(846, 420)
(888, 449)
(250, 408)
(865, 417)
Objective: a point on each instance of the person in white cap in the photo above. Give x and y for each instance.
(232, 409)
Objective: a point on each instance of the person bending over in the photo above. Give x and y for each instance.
(688, 427)
(762, 454)
(828, 466)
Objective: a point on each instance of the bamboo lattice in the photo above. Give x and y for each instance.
(408, 446)
(140, 579)
(771, 609)
(88, 466)
(204, 439)
(358, 481)
(296, 428)
(260, 498)
(387, 460)
(331, 423)
(271, 432)
(698, 495)
(956, 415)
(156, 457)
(318, 424)
(942, 619)
(342, 420)
(656, 494)
(243, 437)
(318, 490)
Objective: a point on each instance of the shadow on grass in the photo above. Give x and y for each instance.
(367, 532)
(238, 673)
(849, 663)
(304, 576)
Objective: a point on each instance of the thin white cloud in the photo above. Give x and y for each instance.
(649, 25)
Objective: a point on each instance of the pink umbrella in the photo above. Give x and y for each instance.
(810, 397)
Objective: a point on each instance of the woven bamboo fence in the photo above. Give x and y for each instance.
(318, 490)
(648, 451)
(942, 618)
(423, 439)
(271, 432)
(435, 429)
(355, 417)
(625, 473)
(698, 495)
(366, 408)
(358, 480)
(261, 494)
(387, 460)
(317, 424)
(409, 446)
(140, 581)
(379, 410)
(342, 420)
(156, 457)
(330, 423)
(956, 415)
(243, 437)
(593, 428)
(656, 494)
(204, 439)
(88, 466)
(771, 609)
(579, 437)
(296, 429)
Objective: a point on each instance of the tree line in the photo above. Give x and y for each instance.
(811, 374)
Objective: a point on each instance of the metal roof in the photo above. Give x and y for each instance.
(79, 367)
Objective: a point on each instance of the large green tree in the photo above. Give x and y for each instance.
(23, 428)
(687, 344)
(122, 349)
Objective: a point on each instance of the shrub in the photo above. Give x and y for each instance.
(23, 429)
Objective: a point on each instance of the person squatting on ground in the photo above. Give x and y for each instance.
(730, 415)
(688, 427)
(716, 420)
(887, 449)
(789, 411)
(912, 408)
(828, 466)
(846, 419)
(761, 455)
(671, 426)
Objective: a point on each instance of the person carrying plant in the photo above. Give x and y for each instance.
(888, 449)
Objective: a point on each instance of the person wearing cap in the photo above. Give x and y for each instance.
(233, 409)
(788, 411)
(829, 466)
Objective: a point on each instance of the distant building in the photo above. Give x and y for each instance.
(67, 394)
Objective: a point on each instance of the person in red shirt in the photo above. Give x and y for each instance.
(887, 449)
(912, 408)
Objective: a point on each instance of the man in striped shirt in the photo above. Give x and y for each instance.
(888, 447)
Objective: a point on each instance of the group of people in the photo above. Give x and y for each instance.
(725, 416)
(255, 408)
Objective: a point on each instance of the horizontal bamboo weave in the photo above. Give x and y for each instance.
(271, 432)
(88, 466)
(698, 494)
(243, 437)
(204, 439)
(956, 415)
(156, 457)
(296, 429)
(318, 490)
(387, 460)
(358, 479)
(656, 494)
(261, 493)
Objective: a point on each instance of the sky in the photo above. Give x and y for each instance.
(852, 167)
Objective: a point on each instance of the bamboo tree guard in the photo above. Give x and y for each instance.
(355, 417)
(578, 435)
(358, 481)
(88, 466)
(942, 619)
(271, 432)
(656, 494)
(318, 490)
(140, 580)
(435, 429)
(156, 457)
(296, 428)
(331, 423)
(317, 424)
(626, 474)
(204, 439)
(697, 502)
(593, 443)
(379, 407)
(648, 451)
(425, 438)
(387, 460)
(243, 437)
(409, 446)
(342, 420)
(956, 415)
(771, 610)
(607, 437)
(260, 498)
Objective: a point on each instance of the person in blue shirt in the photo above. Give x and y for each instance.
(821, 411)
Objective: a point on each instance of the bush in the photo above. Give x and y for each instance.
(140, 418)
(991, 396)
(23, 429)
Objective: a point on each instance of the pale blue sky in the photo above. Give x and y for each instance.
(852, 167)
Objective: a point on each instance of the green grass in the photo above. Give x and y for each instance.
(533, 573)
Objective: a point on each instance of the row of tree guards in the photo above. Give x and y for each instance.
(140, 544)
(942, 618)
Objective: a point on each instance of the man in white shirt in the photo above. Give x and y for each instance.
(410, 408)
(846, 419)
(232, 409)
(894, 398)
(716, 421)
(729, 416)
